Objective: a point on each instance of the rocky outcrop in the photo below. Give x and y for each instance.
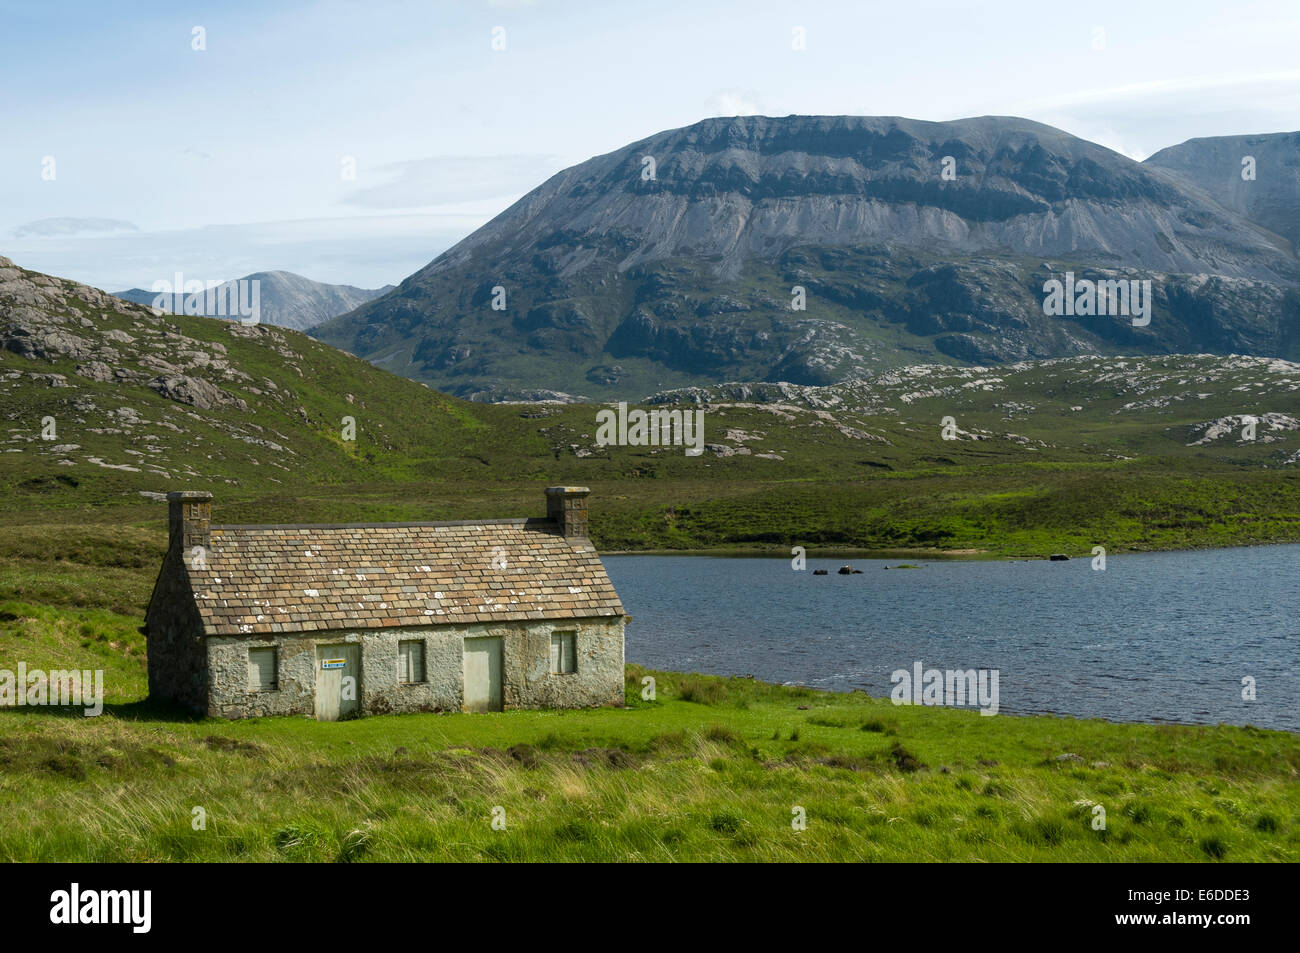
(38, 340)
(1244, 428)
(195, 391)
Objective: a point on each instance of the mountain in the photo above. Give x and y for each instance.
(608, 281)
(287, 300)
(1265, 191)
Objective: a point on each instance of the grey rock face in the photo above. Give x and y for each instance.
(37, 341)
(1256, 176)
(755, 187)
(95, 371)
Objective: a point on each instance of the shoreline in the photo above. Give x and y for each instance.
(1002, 712)
(931, 554)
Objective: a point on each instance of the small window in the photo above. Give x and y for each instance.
(410, 661)
(262, 670)
(564, 658)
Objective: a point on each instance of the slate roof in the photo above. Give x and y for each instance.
(269, 579)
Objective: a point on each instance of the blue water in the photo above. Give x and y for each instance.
(1163, 637)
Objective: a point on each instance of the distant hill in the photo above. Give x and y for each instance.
(1271, 198)
(287, 300)
(673, 261)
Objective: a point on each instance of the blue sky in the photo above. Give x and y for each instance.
(227, 160)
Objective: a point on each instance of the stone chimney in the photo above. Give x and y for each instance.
(189, 513)
(567, 505)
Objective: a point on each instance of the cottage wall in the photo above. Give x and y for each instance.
(527, 681)
(178, 660)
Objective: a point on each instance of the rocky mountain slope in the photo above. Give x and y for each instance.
(287, 300)
(1269, 192)
(675, 262)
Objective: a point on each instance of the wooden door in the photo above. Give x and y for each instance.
(483, 674)
(338, 681)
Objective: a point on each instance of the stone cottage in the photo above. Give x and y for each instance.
(339, 620)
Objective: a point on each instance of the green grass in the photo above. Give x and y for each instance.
(717, 778)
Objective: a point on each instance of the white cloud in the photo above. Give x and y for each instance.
(67, 227)
(1286, 79)
(365, 251)
(447, 180)
(734, 102)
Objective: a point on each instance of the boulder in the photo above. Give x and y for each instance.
(195, 391)
(95, 371)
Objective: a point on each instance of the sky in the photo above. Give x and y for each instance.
(353, 142)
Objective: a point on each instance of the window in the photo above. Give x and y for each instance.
(261, 670)
(410, 661)
(564, 657)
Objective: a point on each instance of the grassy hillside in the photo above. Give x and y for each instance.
(1049, 456)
